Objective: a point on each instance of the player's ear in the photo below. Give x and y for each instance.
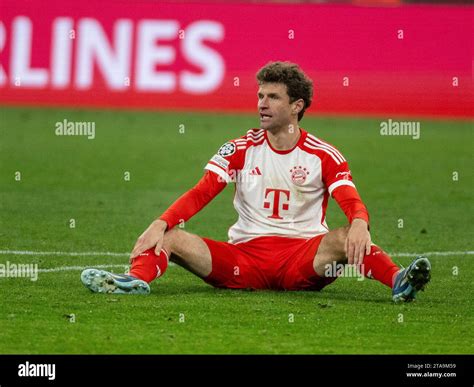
(297, 106)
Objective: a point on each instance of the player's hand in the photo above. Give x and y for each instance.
(151, 237)
(357, 242)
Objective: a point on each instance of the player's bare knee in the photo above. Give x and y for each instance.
(332, 246)
(344, 231)
(340, 242)
(172, 239)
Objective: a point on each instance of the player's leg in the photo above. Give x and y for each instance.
(405, 283)
(187, 250)
(220, 264)
(331, 250)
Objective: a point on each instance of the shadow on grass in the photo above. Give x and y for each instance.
(345, 294)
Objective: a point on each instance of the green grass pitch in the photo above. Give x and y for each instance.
(424, 185)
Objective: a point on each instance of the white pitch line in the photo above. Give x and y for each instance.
(432, 253)
(112, 254)
(64, 253)
(124, 266)
(74, 268)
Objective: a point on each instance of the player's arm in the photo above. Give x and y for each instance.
(338, 179)
(183, 209)
(358, 239)
(193, 201)
(219, 171)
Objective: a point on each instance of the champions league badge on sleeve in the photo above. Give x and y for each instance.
(227, 149)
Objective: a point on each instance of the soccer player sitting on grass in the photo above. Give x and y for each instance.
(283, 178)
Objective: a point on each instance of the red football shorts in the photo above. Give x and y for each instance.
(266, 263)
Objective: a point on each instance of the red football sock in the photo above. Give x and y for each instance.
(149, 266)
(379, 265)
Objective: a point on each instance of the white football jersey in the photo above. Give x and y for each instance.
(280, 193)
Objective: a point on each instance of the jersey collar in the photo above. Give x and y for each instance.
(284, 152)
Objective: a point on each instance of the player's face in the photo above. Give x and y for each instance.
(274, 106)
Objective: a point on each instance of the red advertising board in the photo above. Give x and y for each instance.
(407, 60)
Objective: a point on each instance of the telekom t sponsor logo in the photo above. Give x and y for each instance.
(274, 196)
(152, 48)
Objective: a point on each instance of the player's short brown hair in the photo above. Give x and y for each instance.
(298, 85)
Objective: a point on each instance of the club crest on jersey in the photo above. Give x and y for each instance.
(227, 149)
(299, 174)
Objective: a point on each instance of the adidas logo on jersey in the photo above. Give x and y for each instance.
(256, 172)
